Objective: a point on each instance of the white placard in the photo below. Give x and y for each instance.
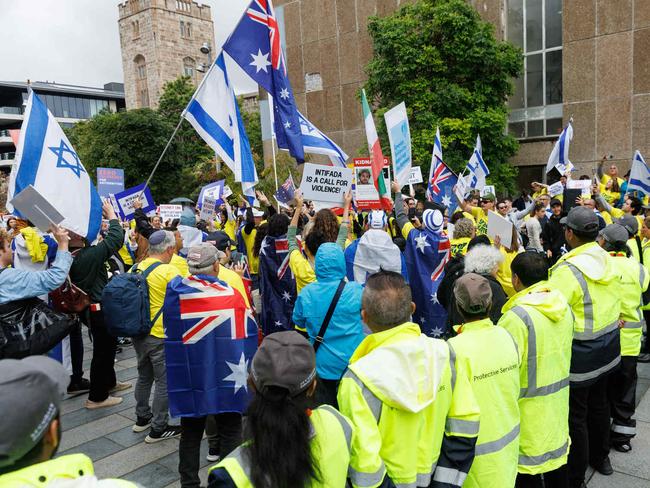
(415, 176)
(461, 188)
(556, 188)
(34, 207)
(584, 185)
(207, 208)
(170, 212)
(325, 184)
(499, 226)
(488, 189)
(399, 137)
(226, 192)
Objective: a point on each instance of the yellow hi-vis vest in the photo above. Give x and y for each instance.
(72, 466)
(541, 323)
(589, 281)
(332, 437)
(414, 413)
(491, 355)
(645, 246)
(634, 278)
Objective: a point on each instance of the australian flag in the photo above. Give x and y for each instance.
(277, 285)
(441, 185)
(255, 46)
(211, 337)
(427, 253)
(285, 193)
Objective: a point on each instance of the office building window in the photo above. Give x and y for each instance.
(536, 105)
(186, 29)
(189, 66)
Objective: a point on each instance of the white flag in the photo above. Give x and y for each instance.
(559, 157)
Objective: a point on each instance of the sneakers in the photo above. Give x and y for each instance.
(213, 455)
(79, 387)
(169, 433)
(120, 387)
(109, 402)
(142, 424)
(124, 341)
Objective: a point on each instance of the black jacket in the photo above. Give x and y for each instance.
(553, 236)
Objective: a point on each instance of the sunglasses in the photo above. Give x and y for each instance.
(501, 207)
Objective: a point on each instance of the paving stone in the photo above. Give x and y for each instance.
(643, 370)
(128, 352)
(171, 460)
(152, 476)
(127, 374)
(73, 437)
(619, 480)
(642, 386)
(126, 437)
(96, 449)
(635, 463)
(128, 362)
(83, 416)
(133, 458)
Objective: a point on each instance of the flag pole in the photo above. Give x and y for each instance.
(275, 168)
(169, 141)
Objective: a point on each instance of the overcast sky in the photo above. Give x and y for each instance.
(77, 41)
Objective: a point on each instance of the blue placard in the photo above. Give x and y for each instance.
(212, 189)
(126, 198)
(109, 181)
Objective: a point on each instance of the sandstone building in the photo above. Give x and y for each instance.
(161, 40)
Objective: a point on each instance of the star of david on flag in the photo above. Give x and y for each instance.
(255, 46)
(62, 162)
(211, 337)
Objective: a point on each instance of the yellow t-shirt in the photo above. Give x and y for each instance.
(605, 178)
(181, 265)
(249, 242)
(301, 269)
(229, 229)
(126, 256)
(504, 273)
(459, 246)
(234, 280)
(481, 219)
(157, 282)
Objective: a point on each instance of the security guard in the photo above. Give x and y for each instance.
(635, 242)
(588, 279)
(316, 442)
(541, 323)
(414, 412)
(490, 354)
(622, 384)
(32, 389)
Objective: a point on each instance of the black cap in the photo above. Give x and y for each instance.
(220, 240)
(555, 202)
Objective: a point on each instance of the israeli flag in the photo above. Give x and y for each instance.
(315, 142)
(479, 146)
(639, 175)
(46, 160)
(559, 157)
(214, 114)
(477, 171)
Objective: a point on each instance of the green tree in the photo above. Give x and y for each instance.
(445, 63)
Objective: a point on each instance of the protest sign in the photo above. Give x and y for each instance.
(170, 212)
(213, 190)
(207, 208)
(499, 226)
(34, 207)
(461, 188)
(488, 189)
(363, 188)
(325, 184)
(415, 176)
(556, 188)
(399, 137)
(109, 181)
(226, 191)
(126, 198)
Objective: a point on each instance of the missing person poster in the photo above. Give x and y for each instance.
(363, 188)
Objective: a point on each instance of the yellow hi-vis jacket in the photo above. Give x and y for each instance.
(413, 411)
(74, 470)
(634, 278)
(332, 436)
(589, 281)
(645, 246)
(491, 357)
(541, 323)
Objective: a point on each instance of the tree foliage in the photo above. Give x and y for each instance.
(445, 63)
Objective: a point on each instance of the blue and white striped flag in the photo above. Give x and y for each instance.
(214, 113)
(639, 175)
(479, 146)
(315, 142)
(477, 171)
(559, 157)
(46, 160)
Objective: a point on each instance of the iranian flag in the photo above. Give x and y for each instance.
(376, 156)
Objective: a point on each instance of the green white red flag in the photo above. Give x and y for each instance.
(376, 156)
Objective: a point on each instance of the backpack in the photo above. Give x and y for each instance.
(125, 302)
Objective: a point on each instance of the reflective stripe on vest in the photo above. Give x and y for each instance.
(449, 476)
(425, 479)
(367, 479)
(579, 377)
(452, 365)
(347, 430)
(543, 458)
(623, 429)
(460, 426)
(498, 444)
(373, 402)
(532, 390)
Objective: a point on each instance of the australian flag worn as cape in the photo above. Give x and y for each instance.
(211, 338)
(277, 285)
(427, 253)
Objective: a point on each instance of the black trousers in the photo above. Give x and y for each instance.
(558, 478)
(326, 392)
(588, 428)
(102, 366)
(229, 430)
(76, 353)
(622, 398)
(645, 345)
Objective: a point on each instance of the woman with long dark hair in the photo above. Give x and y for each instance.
(287, 445)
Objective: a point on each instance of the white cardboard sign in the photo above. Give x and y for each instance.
(499, 226)
(325, 184)
(34, 207)
(415, 176)
(556, 188)
(170, 212)
(207, 208)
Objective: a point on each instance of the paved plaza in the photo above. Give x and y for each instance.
(105, 436)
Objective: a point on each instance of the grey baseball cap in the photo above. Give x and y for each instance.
(32, 389)
(285, 359)
(615, 234)
(630, 223)
(203, 255)
(473, 293)
(582, 219)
